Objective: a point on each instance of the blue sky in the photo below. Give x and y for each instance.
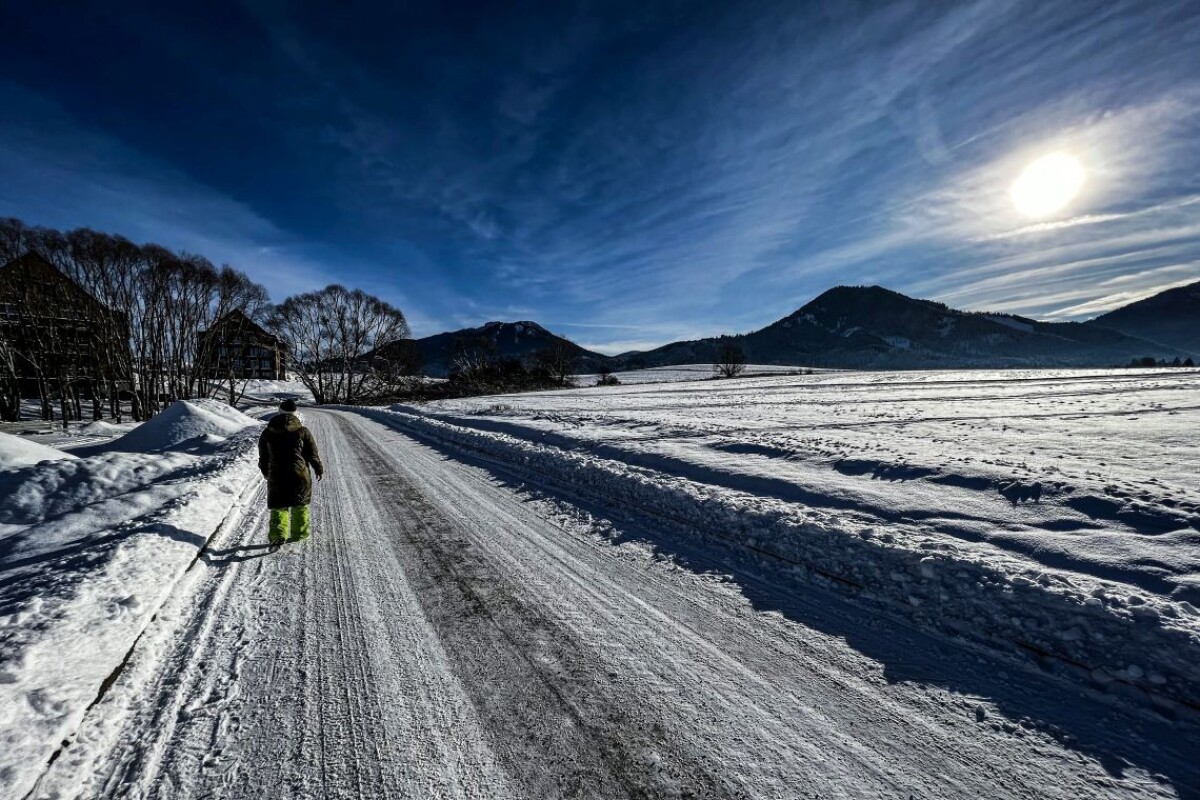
(625, 173)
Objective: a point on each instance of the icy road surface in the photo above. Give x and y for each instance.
(448, 634)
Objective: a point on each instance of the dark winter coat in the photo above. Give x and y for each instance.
(286, 449)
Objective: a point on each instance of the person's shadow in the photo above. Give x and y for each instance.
(235, 555)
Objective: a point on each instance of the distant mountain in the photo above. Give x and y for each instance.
(1171, 317)
(873, 327)
(510, 339)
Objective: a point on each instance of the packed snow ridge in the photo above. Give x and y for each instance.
(185, 422)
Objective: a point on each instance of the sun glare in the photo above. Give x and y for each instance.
(1047, 185)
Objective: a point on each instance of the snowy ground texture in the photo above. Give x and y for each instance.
(452, 632)
(717, 589)
(91, 544)
(1053, 511)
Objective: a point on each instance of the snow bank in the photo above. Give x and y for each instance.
(89, 551)
(34, 494)
(104, 428)
(1122, 638)
(182, 421)
(18, 452)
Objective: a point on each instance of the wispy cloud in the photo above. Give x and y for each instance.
(1108, 302)
(654, 174)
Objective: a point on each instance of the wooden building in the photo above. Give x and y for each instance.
(237, 347)
(55, 338)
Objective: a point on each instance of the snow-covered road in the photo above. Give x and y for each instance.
(449, 633)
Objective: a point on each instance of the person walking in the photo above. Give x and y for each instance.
(286, 450)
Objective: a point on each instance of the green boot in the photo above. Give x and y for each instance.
(277, 531)
(301, 528)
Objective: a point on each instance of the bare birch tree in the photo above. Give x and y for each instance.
(331, 334)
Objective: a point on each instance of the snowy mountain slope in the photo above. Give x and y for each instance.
(873, 327)
(518, 340)
(1171, 317)
(876, 328)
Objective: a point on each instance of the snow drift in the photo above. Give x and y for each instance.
(184, 421)
(1112, 633)
(105, 428)
(18, 452)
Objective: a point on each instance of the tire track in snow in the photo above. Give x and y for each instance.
(556, 719)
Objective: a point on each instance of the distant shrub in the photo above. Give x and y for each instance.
(605, 377)
(731, 360)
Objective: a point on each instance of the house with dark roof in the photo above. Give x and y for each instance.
(238, 347)
(55, 337)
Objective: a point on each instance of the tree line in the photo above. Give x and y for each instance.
(145, 331)
(1151, 361)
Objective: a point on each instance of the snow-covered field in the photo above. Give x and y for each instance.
(743, 586)
(91, 543)
(689, 372)
(1053, 511)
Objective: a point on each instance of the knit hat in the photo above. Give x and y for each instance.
(288, 405)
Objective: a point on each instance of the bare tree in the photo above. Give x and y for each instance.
(330, 333)
(605, 377)
(558, 361)
(108, 268)
(12, 245)
(396, 368)
(731, 360)
(15, 239)
(142, 332)
(474, 363)
(185, 295)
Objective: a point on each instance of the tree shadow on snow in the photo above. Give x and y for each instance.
(52, 569)
(88, 549)
(1026, 695)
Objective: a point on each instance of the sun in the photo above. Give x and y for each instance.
(1047, 184)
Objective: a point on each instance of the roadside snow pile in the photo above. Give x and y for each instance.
(104, 428)
(184, 421)
(51, 489)
(90, 548)
(18, 452)
(1050, 513)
